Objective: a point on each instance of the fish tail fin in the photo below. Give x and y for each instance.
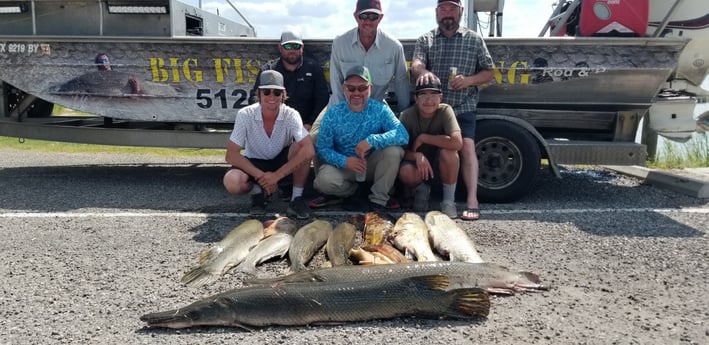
(197, 277)
(209, 254)
(469, 302)
(248, 268)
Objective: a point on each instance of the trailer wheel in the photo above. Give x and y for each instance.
(509, 159)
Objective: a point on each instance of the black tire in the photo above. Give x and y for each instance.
(509, 159)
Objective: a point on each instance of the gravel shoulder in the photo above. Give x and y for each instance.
(91, 242)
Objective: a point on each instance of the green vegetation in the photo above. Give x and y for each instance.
(53, 146)
(692, 154)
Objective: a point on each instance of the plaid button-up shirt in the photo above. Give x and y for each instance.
(466, 51)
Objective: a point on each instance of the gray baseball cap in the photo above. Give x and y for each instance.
(291, 37)
(271, 79)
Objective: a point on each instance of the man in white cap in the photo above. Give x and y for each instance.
(303, 78)
(451, 45)
(275, 145)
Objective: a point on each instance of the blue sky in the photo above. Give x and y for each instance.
(402, 18)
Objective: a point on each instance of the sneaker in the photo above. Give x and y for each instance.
(448, 208)
(285, 192)
(391, 204)
(258, 204)
(298, 209)
(355, 203)
(324, 200)
(421, 196)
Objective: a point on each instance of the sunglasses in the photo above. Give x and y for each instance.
(361, 88)
(292, 46)
(276, 92)
(368, 16)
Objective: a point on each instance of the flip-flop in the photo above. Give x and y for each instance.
(470, 214)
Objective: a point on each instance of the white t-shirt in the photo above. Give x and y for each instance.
(250, 134)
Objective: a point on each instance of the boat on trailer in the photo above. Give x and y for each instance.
(165, 73)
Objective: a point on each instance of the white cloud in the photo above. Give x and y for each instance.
(402, 18)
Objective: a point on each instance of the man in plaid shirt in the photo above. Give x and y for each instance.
(450, 45)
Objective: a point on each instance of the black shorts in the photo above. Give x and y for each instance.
(272, 164)
(466, 121)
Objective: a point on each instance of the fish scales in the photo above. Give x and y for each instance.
(339, 243)
(307, 303)
(492, 277)
(306, 242)
(410, 235)
(449, 239)
(224, 255)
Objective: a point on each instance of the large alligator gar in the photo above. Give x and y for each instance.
(449, 239)
(410, 235)
(280, 235)
(340, 242)
(307, 303)
(306, 242)
(224, 255)
(491, 277)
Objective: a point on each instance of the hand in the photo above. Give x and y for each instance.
(362, 148)
(460, 82)
(423, 166)
(358, 165)
(427, 78)
(268, 182)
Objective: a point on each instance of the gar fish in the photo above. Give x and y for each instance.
(307, 303)
(280, 236)
(339, 243)
(449, 239)
(491, 277)
(224, 255)
(377, 226)
(410, 235)
(306, 242)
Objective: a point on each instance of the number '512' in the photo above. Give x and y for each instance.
(205, 98)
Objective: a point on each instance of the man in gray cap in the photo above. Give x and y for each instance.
(359, 136)
(432, 152)
(303, 78)
(275, 145)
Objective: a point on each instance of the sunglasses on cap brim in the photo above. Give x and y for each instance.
(368, 16)
(276, 92)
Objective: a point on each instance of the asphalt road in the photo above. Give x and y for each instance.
(91, 242)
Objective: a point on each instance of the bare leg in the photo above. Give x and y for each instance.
(469, 160)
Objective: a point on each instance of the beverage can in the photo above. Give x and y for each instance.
(453, 71)
(361, 177)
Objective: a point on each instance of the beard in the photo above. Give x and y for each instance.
(448, 23)
(293, 59)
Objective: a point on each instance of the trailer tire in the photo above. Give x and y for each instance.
(509, 159)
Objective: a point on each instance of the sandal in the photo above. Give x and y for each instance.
(470, 214)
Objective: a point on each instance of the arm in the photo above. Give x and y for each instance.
(446, 142)
(304, 153)
(336, 79)
(394, 131)
(401, 81)
(324, 147)
(419, 73)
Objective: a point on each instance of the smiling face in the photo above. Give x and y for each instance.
(365, 24)
(271, 99)
(428, 102)
(357, 91)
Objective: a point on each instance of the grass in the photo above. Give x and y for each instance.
(692, 154)
(54, 146)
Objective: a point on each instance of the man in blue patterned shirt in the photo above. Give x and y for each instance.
(359, 136)
(450, 45)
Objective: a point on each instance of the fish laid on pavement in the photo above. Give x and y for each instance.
(365, 257)
(224, 255)
(306, 242)
(339, 243)
(280, 235)
(410, 235)
(491, 277)
(391, 253)
(377, 226)
(449, 239)
(307, 303)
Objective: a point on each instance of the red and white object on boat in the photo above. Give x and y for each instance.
(614, 17)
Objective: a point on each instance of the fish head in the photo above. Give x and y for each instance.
(282, 225)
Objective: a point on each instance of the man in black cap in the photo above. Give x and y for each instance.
(432, 152)
(359, 136)
(457, 57)
(303, 78)
(275, 145)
